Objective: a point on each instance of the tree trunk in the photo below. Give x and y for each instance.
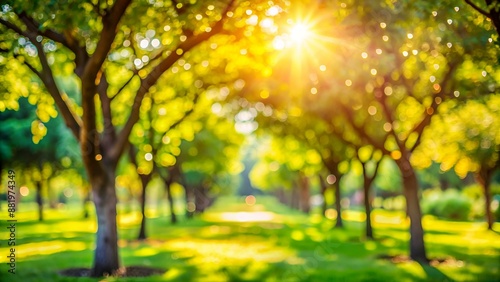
(86, 200)
(484, 178)
(190, 203)
(202, 200)
(304, 194)
(280, 193)
(443, 183)
(144, 182)
(54, 200)
(410, 189)
(294, 202)
(366, 197)
(173, 217)
(177, 175)
(367, 184)
(332, 166)
(323, 193)
(39, 200)
(106, 253)
(339, 223)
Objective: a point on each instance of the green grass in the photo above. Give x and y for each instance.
(265, 242)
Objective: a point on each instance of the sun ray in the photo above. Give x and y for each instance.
(307, 37)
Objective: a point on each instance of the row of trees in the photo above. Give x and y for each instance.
(365, 82)
(398, 85)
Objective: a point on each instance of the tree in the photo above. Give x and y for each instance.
(207, 164)
(408, 70)
(395, 74)
(151, 143)
(285, 162)
(470, 144)
(370, 161)
(118, 52)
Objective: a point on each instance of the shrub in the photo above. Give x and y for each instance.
(450, 204)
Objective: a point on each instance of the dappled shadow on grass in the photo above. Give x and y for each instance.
(448, 261)
(432, 272)
(129, 271)
(295, 248)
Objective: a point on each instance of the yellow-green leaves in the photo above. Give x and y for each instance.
(465, 137)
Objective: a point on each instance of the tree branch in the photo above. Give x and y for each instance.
(159, 145)
(66, 39)
(382, 99)
(135, 71)
(46, 76)
(426, 120)
(32, 68)
(110, 23)
(123, 86)
(13, 27)
(89, 137)
(477, 8)
(362, 132)
(155, 74)
(109, 134)
(49, 33)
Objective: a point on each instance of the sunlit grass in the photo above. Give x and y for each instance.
(242, 217)
(262, 241)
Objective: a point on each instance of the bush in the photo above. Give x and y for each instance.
(450, 204)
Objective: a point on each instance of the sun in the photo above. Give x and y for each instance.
(299, 33)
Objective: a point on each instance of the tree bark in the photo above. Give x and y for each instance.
(144, 182)
(323, 193)
(304, 194)
(367, 184)
(106, 253)
(39, 200)
(173, 216)
(280, 193)
(86, 199)
(201, 198)
(366, 197)
(294, 202)
(339, 223)
(332, 166)
(484, 179)
(410, 189)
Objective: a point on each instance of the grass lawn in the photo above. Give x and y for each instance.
(264, 242)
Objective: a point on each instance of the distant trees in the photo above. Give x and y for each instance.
(37, 146)
(286, 165)
(465, 137)
(381, 90)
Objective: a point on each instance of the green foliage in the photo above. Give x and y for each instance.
(210, 158)
(28, 141)
(281, 159)
(389, 177)
(471, 141)
(450, 204)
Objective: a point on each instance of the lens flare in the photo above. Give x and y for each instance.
(299, 33)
